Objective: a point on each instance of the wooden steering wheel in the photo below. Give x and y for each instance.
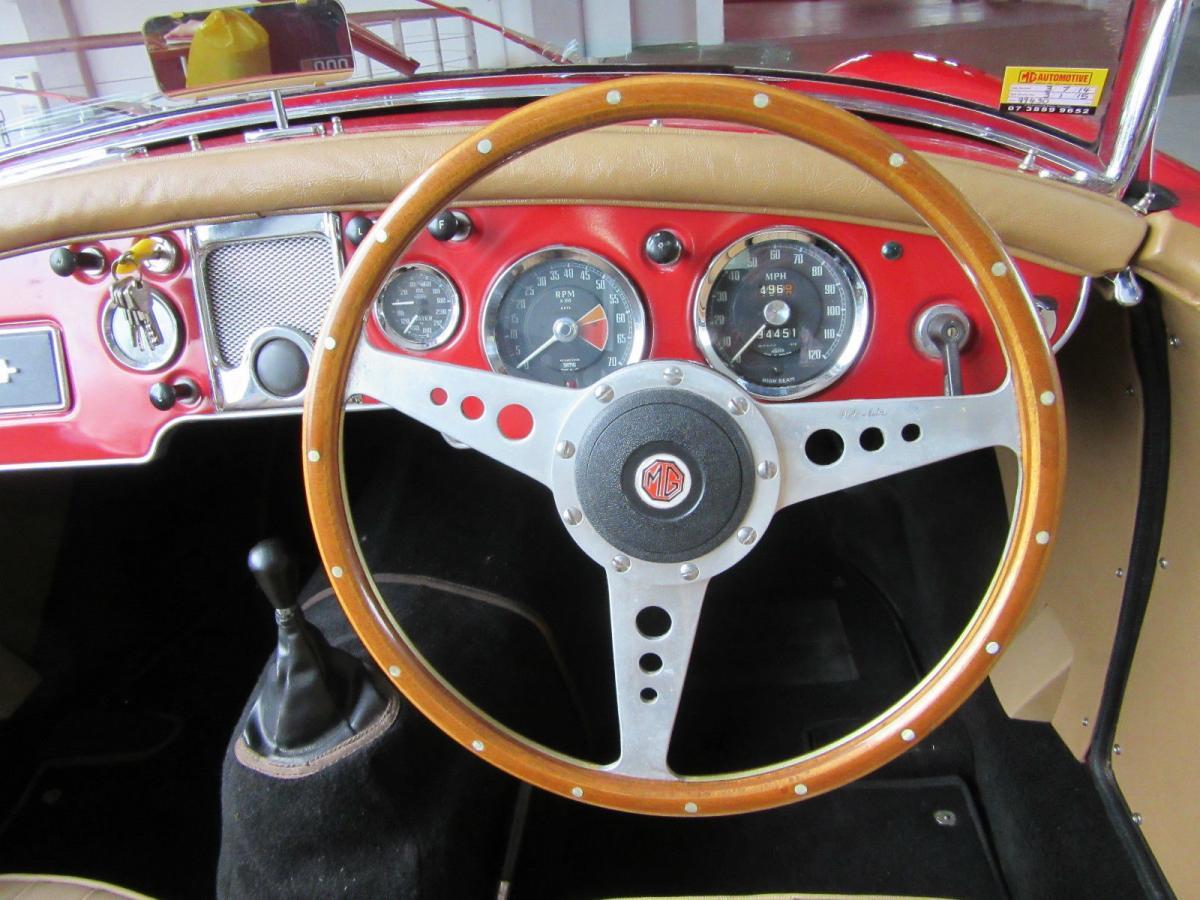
(757, 447)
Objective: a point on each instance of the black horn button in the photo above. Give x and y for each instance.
(664, 475)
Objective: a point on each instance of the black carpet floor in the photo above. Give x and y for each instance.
(114, 769)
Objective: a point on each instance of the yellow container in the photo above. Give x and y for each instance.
(228, 46)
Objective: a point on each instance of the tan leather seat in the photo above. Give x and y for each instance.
(61, 887)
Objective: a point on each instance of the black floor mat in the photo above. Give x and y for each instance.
(875, 836)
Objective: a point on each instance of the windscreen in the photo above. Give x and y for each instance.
(65, 66)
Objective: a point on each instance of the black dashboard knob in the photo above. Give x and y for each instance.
(451, 225)
(281, 367)
(64, 261)
(664, 247)
(164, 395)
(357, 228)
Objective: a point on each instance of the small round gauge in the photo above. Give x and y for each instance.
(563, 316)
(136, 351)
(783, 311)
(418, 307)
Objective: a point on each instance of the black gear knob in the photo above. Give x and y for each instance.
(272, 568)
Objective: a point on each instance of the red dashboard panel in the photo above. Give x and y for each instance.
(110, 418)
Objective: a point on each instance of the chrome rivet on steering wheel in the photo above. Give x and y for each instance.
(603, 393)
(572, 516)
(564, 449)
(767, 470)
(747, 535)
(621, 563)
(688, 572)
(738, 406)
(673, 375)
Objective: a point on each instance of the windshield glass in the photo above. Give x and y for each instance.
(63, 65)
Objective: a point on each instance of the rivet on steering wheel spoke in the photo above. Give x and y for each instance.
(747, 535)
(767, 470)
(673, 375)
(688, 572)
(738, 405)
(572, 516)
(908, 735)
(564, 449)
(620, 562)
(603, 393)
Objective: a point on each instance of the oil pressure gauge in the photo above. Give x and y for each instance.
(418, 307)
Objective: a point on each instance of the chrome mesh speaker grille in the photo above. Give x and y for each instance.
(257, 284)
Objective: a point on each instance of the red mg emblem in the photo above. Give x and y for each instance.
(662, 480)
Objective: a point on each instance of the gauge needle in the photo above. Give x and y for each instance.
(527, 360)
(746, 346)
(595, 314)
(411, 323)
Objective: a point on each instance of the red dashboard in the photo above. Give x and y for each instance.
(108, 417)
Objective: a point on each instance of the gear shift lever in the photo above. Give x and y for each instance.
(312, 696)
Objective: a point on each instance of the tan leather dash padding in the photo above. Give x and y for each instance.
(1039, 220)
(1170, 257)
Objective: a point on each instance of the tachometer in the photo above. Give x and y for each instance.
(783, 311)
(563, 316)
(418, 307)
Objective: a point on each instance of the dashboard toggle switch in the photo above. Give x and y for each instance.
(451, 225)
(941, 333)
(65, 262)
(164, 395)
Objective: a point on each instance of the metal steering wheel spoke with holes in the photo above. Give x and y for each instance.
(614, 461)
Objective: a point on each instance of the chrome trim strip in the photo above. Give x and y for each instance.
(1080, 307)
(21, 172)
(60, 370)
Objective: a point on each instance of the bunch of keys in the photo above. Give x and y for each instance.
(131, 295)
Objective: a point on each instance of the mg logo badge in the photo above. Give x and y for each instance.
(662, 480)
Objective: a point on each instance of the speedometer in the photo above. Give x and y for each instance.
(783, 311)
(563, 316)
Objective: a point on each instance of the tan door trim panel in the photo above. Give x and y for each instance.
(674, 167)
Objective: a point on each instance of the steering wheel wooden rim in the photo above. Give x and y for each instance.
(749, 103)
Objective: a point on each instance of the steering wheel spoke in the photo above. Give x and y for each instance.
(512, 420)
(832, 446)
(653, 629)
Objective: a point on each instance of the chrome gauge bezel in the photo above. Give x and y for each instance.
(489, 318)
(858, 330)
(438, 339)
(168, 322)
